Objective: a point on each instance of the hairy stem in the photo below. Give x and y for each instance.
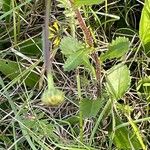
(89, 40)
(46, 42)
(80, 113)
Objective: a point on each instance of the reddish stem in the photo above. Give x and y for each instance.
(89, 40)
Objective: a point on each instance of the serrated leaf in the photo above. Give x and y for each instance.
(90, 108)
(125, 138)
(79, 3)
(76, 53)
(116, 49)
(74, 60)
(69, 45)
(11, 69)
(118, 81)
(144, 28)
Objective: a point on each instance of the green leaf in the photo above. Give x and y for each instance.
(144, 29)
(12, 69)
(40, 127)
(6, 8)
(125, 138)
(31, 46)
(116, 49)
(10, 11)
(74, 60)
(79, 3)
(69, 45)
(143, 87)
(5, 139)
(76, 53)
(72, 120)
(118, 81)
(90, 108)
(126, 109)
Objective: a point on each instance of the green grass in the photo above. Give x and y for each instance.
(26, 123)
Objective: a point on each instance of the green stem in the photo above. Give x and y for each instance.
(80, 112)
(14, 134)
(137, 132)
(50, 82)
(13, 107)
(47, 46)
(108, 104)
(106, 11)
(14, 23)
(113, 129)
(135, 121)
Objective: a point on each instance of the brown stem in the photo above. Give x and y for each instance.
(89, 40)
(46, 42)
(98, 73)
(84, 28)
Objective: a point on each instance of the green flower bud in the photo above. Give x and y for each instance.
(52, 97)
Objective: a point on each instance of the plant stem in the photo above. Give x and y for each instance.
(108, 104)
(80, 112)
(86, 31)
(106, 11)
(135, 121)
(14, 23)
(46, 42)
(89, 40)
(137, 132)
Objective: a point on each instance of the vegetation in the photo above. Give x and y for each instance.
(74, 74)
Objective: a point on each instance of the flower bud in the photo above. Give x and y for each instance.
(52, 97)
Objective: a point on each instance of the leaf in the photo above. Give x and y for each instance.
(90, 108)
(5, 139)
(79, 3)
(143, 87)
(10, 11)
(72, 120)
(144, 28)
(74, 60)
(69, 45)
(11, 69)
(76, 53)
(31, 46)
(125, 138)
(6, 8)
(41, 127)
(118, 81)
(116, 49)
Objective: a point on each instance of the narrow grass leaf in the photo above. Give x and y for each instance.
(137, 133)
(6, 7)
(11, 69)
(10, 11)
(143, 87)
(144, 28)
(79, 3)
(31, 46)
(125, 138)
